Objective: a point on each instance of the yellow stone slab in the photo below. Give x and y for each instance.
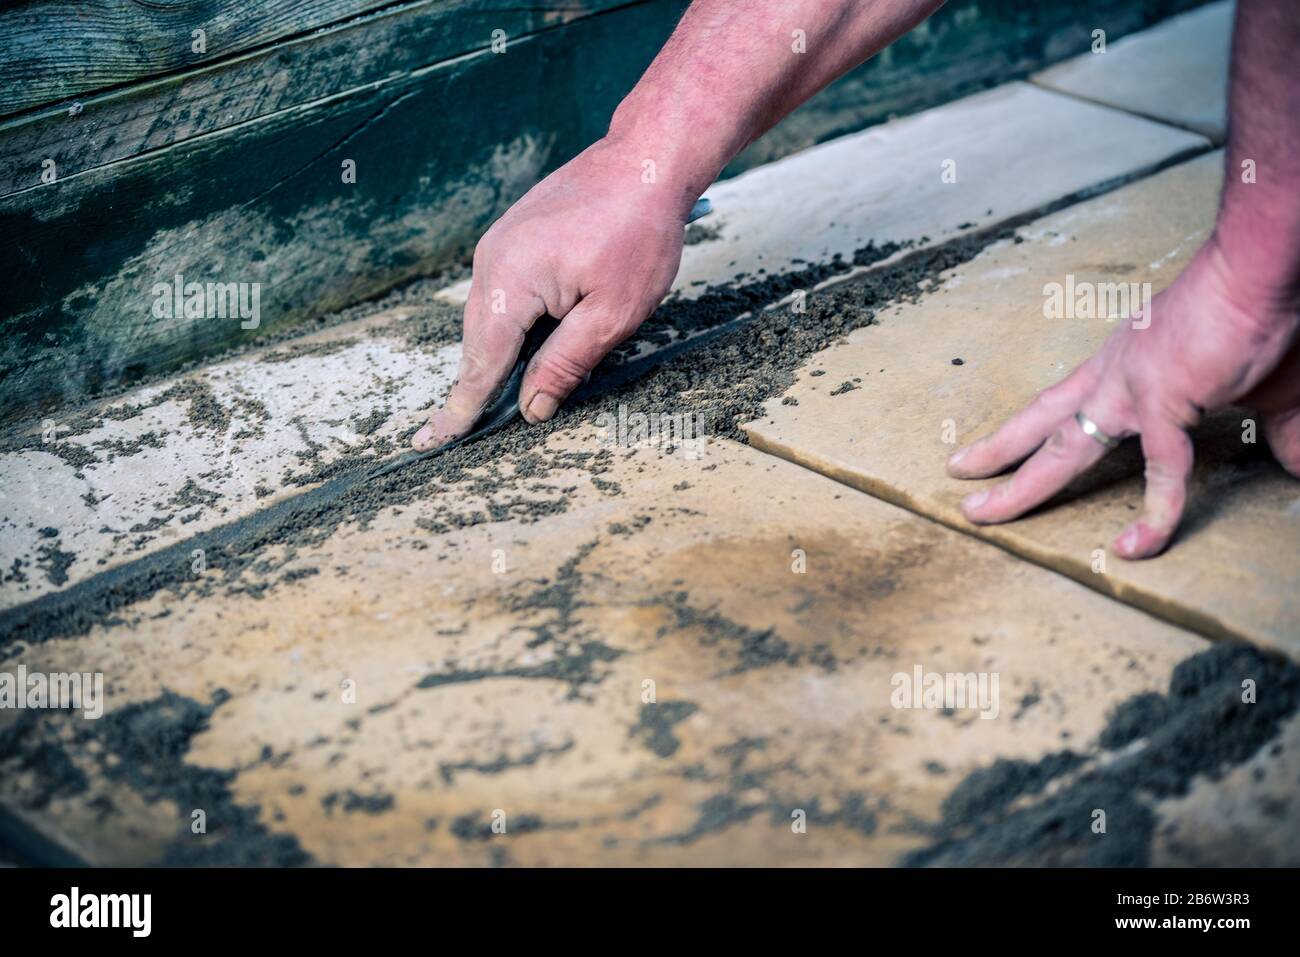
(502, 671)
(1231, 572)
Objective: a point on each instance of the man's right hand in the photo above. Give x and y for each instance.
(597, 243)
(593, 245)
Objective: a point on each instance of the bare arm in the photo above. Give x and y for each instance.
(1259, 222)
(730, 70)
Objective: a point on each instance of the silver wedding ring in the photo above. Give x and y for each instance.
(1092, 429)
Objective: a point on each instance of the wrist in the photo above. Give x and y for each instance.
(677, 152)
(1259, 270)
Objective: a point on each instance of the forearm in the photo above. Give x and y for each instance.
(733, 68)
(1258, 230)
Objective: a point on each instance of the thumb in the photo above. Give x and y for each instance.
(1282, 431)
(582, 339)
(491, 341)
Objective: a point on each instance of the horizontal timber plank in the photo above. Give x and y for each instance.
(151, 115)
(964, 47)
(55, 50)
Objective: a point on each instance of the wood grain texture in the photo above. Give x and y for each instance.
(439, 153)
(55, 50)
(156, 113)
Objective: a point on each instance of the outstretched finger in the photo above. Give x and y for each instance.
(1024, 431)
(1067, 453)
(1168, 451)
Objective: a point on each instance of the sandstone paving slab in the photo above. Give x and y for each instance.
(1212, 822)
(1176, 72)
(664, 660)
(908, 406)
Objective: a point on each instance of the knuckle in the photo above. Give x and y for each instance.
(1058, 446)
(1003, 492)
(606, 328)
(473, 364)
(478, 364)
(560, 370)
(1167, 474)
(460, 407)
(1188, 415)
(1004, 501)
(1053, 395)
(486, 247)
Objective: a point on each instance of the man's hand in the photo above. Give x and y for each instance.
(591, 245)
(597, 243)
(1210, 343)
(1224, 332)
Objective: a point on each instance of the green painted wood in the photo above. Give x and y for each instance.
(439, 153)
(54, 49)
(103, 128)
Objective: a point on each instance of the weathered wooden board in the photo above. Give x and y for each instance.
(265, 202)
(54, 50)
(964, 47)
(121, 123)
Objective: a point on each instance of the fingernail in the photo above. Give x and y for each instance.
(422, 441)
(434, 433)
(973, 502)
(541, 408)
(1127, 543)
(956, 457)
